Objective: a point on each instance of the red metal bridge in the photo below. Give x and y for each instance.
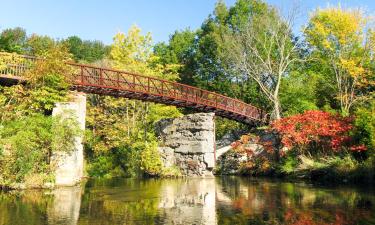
(105, 81)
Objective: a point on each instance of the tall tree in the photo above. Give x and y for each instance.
(13, 40)
(343, 40)
(85, 50)
(131, 51)
(39, 45)
(179, 51)
(263, 50)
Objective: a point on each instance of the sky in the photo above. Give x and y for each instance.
(101, 19)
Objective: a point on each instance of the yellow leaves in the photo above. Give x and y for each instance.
(53, 64)
(132, 50)
(119, 122)
(334, 27)
(338, 33)
(353, 67)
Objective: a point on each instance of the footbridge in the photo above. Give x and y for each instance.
(106, 81)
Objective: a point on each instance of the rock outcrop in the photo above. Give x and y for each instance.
(188, 142)
(251, 155)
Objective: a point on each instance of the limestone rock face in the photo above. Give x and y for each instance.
(188, 142)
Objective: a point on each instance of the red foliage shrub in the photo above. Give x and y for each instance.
(324, 129)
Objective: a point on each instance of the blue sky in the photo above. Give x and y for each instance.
(100, 20)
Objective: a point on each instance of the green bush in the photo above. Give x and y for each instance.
(365, 125)
(288, 163)
(103, 166)
(151, 164)
(136, 159)
(27, 145)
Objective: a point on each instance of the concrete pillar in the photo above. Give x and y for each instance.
(69, 166)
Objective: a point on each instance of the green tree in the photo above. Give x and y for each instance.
(179, 51)
(85, 50)
(39, 45)
(13, 40)
(263, 50)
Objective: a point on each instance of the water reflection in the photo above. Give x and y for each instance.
(65, 206)
(229, 200)
(265, 202)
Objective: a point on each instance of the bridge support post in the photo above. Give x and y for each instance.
(188, 142)
(69, 166)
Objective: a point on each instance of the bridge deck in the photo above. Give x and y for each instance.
(105, 81)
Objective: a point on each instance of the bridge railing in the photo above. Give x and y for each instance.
(117, 80)
(12, 64)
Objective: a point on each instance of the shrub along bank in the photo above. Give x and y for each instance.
(315, 145)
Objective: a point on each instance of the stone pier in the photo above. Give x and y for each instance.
(69, 166)
(188, 142)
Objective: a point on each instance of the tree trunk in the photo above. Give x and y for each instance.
(277, 110)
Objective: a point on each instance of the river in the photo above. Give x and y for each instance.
(221, 200)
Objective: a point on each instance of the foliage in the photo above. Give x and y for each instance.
(298, 92)
(289, 163)
(179, 52)
(13, 40)
(224, 126)
(316, 129)
(65, 130)
(28, 137)
(85, 50)
(246, 51)
(28, 144)
(150, 161)
(328, 169)
(39, 45)
(342, 39)
(47, 84)
(364, 132)
(121, 130)
(131, 51)
(198, 53)
(263, 50)
(104, 166)
(6, 58)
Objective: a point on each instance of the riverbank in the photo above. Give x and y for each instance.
(292, 167)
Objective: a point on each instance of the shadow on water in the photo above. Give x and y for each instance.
(223, 200)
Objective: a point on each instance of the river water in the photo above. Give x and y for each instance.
(221, 200)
